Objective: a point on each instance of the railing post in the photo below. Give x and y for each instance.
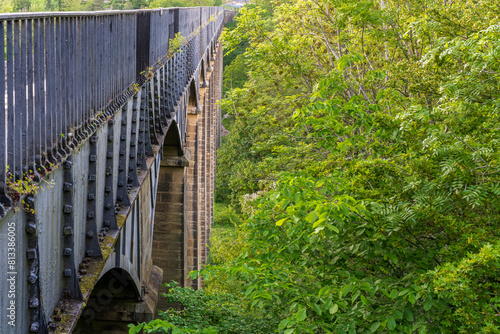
(143, 39)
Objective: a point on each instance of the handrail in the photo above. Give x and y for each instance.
(64, 70)
(30, 15)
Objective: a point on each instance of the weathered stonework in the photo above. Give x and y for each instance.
(184, 205)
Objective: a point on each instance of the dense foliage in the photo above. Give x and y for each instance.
(366, 155)
(203, 313)
(364, 158)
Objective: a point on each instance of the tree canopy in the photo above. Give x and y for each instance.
(365, 158)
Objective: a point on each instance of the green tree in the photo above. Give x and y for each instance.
(375, 187)
(73, 5)
(94, 5)
(38, 6)
(7, 6)
(21, 5)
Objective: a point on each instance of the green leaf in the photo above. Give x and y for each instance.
(283, 323)
(289, 331)
(394, 294)
(249, 290)
(391, 323)
(364, 300)
(374, 327)
(322, 292)
(317, 309)
(281, 221)
(332, 228)
(393, 258)
(428, 303)
(301, 314)
(334, 309)
(319, 221)
(408, 315)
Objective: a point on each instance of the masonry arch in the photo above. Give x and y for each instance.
(172, 144)
(112, 301)
(193, 97)
(169, 236)
(202, 81)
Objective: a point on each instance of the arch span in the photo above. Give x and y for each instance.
(193, 106)
(113, 303)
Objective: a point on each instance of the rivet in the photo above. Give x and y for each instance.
(90, 235)
(92, 158)
(31, 227)
(111, 122)
(34, 327)
(120, 184)
(123, 137)
(68, 186)
(108, 206)
(68, 208)
(34, 303)
(90, 215)
(68, 230)
(120, 198)
(106, 223)
(67, 251)
(68, 164)
(121, 168)
(110, 154)
(67, 272)
(122, 152)
(107, 189)
(93, 139)
(30, 201)
(31, 254)
(32, 278)
(91, 196)
(110, 138)
(92, 177)
(90, 253)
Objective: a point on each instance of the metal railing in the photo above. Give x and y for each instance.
(64, 70)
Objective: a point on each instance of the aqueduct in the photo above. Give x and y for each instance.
(107, 159)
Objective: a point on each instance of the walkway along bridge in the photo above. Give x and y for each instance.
(108, 143)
